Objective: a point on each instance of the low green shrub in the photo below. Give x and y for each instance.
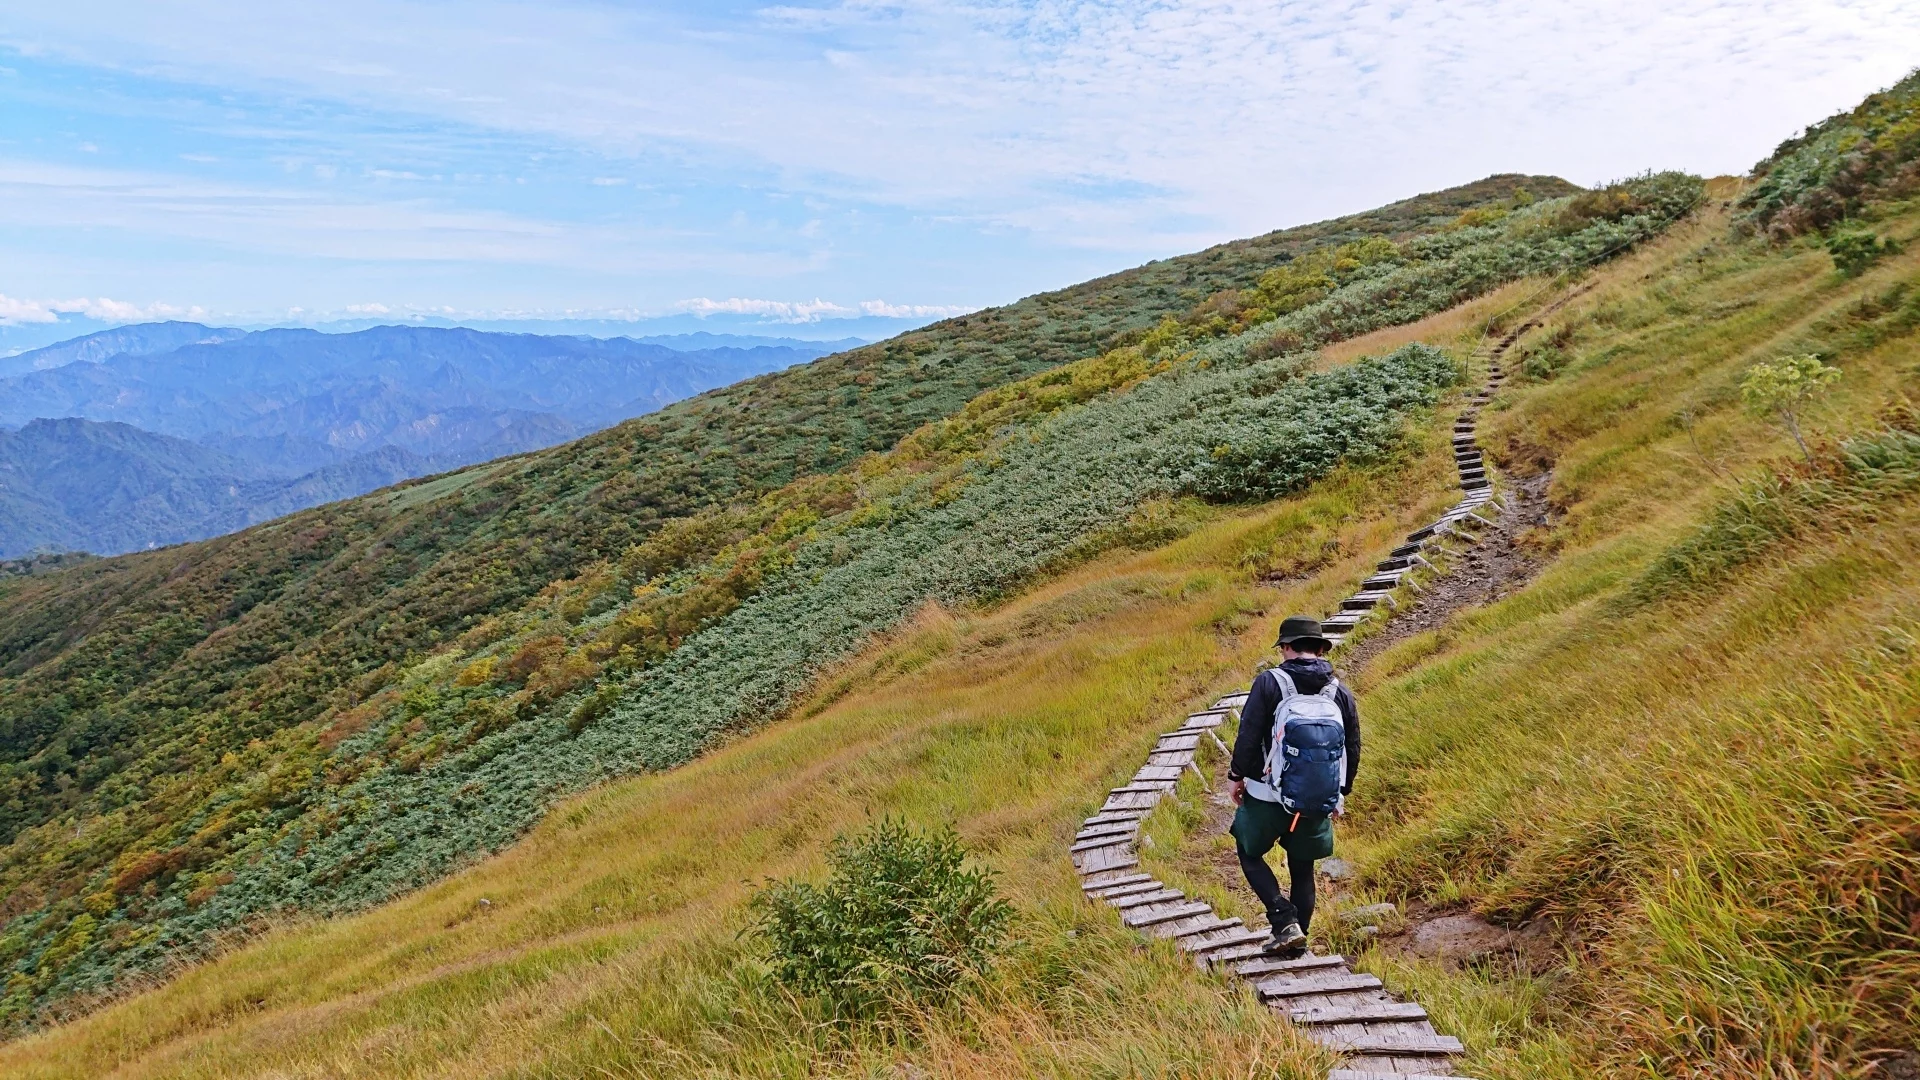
(901, 919)
(1854, 250)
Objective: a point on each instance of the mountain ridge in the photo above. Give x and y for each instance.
(332, 415)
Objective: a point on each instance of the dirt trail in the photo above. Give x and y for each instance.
(1499, 564)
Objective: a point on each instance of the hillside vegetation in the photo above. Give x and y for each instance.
(1687, 750)
(1686, 754)
(316, 714)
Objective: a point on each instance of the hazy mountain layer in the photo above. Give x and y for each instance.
(339, 413)
(68, 485)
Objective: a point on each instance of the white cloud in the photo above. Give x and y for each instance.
(1053, 131)
(778, 310)
(914, 311)
(14, 312)
(1093, 122)
(368, 309)
(608, 181)
(805, 311)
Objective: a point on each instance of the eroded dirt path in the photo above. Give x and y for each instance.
(1499, 564)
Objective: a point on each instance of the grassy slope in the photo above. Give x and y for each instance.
(1712, 828)
(608, 941)
(217, 748)
(196, 650)
(1715, 793)
(1729, 831)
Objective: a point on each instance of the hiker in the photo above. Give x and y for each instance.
(1289, 789)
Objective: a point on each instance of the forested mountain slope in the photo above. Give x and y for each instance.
(319, 712)
(77, 485)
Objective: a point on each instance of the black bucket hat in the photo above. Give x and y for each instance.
(1296, 630)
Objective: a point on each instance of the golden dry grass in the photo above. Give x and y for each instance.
(1706, 792)
(608, 937)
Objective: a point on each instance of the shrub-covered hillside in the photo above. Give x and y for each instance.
(1679, 760)
(320, 712)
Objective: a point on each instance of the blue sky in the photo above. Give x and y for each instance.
(793, 164)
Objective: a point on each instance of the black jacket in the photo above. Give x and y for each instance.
(1255, 741)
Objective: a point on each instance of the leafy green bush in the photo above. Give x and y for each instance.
(900, 918)
(1827, 173)
(1784, 387)
(1854, 250)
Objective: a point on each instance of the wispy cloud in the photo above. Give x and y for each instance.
(805, 311)
(15, 311)
(948, 152)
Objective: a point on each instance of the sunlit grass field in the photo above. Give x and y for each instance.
(1715, 797)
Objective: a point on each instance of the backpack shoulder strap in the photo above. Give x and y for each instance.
(1332, 689)
(1287, 689)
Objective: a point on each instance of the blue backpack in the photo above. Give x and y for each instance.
(1308, 762)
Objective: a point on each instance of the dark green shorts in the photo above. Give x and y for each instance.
(1258, 825)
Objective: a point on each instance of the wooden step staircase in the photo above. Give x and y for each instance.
(1381, 1036)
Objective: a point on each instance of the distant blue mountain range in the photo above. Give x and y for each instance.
(176, 431)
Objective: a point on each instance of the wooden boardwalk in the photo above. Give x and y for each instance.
(1382, 1036)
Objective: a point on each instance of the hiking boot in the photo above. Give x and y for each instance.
(1288, 940)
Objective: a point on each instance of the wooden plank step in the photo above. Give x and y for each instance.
(1107, 816)
(1382, 581)
(1208, 925)
(1172, 929)
(1130, 800)
(1132, 888)
(1110, 881)
(1151, 916)
(1100, 842)
(1269, 965)
(1331, 983)
(1231, 701)
(1209, 949)
(1113, 858)
(1391, 1044)
(1156, 787)
(1162, 895)
(1176, 758)
(1366, 1012)
(1229, 954)
(1203, 721)
(1369, 1074)
(1177, 740)
(1117, 881)
(1158, 772)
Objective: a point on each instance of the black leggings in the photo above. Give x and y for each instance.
(1280, 909)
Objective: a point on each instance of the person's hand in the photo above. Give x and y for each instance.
(1335, 816)
(1237, 792)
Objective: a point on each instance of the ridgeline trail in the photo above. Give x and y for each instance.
(1382, 1036)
